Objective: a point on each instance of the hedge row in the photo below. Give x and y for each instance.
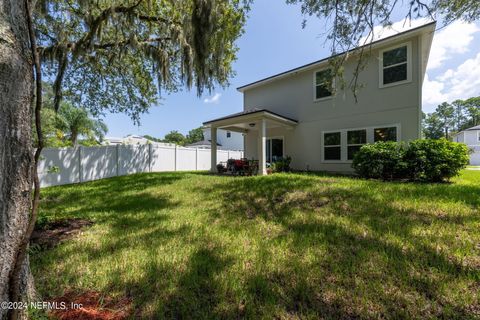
(419, 160)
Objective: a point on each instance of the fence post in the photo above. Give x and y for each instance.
(117, 156)
(196, 159)
(175, 164)
(149, 157)
(80, 171)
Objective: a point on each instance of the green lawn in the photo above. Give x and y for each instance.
(191, 245)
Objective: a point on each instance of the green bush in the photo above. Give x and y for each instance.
(435, 160)
(381, 160)
(281, 164)
(419, 160)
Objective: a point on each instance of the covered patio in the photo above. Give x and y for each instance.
(256, 121)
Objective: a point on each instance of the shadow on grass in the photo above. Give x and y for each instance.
(198, 295)
(119, 194)
(331, 213)
(340, 248)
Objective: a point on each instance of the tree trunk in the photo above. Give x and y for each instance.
(16, 156)
(74, 137)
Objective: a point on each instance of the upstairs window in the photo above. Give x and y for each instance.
(323, 84)
(229, 134)
(395, 66)
(332, 149)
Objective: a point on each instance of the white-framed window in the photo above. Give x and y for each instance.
(395, 65)
(340, 145)
(385, 134)
(355, 140)
(229, 134)
(478, 136)
(332, 146)
(323, 84)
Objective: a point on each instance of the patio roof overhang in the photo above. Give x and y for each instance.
(250, 119)
(258, 120)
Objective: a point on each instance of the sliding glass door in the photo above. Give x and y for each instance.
(274, 149)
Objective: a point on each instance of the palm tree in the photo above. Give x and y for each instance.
(76, 121)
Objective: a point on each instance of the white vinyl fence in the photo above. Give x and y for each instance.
(73, 165)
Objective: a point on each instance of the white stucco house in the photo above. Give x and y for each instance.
(129, 139)
(132, 139)
(471, 137)
(226, 140)
(299, 114)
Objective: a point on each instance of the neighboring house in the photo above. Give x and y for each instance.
(471, 137)
(297, 113)
(130, 139)
(226, 140)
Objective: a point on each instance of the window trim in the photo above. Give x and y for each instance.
(315, 86)
(331, 146)
(343, 141)
(478, 136)
(381, 67)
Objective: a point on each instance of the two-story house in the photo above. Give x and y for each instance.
(471, 137)
(304, 114)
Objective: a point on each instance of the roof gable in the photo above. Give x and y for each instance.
(315, 64)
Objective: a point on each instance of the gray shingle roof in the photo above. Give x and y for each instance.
(201, 143)
(473, 128)
(249, 111)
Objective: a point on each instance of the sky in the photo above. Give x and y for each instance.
(274, 41)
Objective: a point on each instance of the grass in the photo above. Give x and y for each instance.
(191, 245)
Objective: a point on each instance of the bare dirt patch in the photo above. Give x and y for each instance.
(92, 305)
(51, 234)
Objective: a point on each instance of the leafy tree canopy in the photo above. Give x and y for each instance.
(151, 138)
(194, 135)
(116, 55)
(433, 127)
(452, 117)
(174, 137)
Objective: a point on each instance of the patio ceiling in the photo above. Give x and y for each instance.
(250, 120)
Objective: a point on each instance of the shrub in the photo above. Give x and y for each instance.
(419, 160)
(381, 160)
(435, 160)
(281, 164)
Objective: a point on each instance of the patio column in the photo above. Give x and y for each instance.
(263, 148)
(213, 149)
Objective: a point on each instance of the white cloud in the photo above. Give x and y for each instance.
(447, 42)
(380, 32)
(459, 83)
(453, 39)
(213, 99)
(432, 92)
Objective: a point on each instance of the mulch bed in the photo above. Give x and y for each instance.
(93, 306)
(51, 234)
